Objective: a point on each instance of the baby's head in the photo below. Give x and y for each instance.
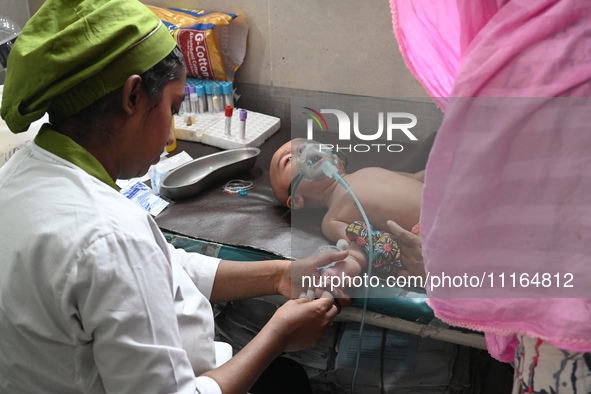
(282, 172)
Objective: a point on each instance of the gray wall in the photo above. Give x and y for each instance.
(34, 5)
(339, 46)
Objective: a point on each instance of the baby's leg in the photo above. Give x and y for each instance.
(350, 267)
(347, 267)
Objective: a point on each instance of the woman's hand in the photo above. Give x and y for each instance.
(411, 250)
(301, 323)
(297, 325)
(300, 273)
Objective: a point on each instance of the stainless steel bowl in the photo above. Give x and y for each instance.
(193, 177)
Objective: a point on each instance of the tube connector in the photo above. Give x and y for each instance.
(329, 169)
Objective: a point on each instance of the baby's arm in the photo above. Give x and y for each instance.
(333, 229)
(419, 176)
(355, 262)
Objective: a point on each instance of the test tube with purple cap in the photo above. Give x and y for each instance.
(242, 131)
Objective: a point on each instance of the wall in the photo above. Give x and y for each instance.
(339, 46)
(34, 5)
(324, 45)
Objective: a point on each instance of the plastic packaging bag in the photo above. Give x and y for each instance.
(213, 43)
(160, 169)
(9, 31)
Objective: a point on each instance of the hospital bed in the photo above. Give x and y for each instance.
(255, 227)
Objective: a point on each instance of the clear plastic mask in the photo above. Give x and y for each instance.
(312, 158)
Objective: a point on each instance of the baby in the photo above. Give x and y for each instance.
(384, 195)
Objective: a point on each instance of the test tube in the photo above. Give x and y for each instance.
(227, 91)
(193, 99)
(209, 96)
(201, 104)
(186, 104)
(228, 113)
(218, 100)
(242, 130)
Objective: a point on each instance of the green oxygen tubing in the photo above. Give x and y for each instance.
(316, 162)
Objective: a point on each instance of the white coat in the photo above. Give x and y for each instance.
(92, 298)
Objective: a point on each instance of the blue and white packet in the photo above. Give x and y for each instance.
(144, 197)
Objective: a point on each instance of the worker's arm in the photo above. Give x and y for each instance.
(236, 280)
(297, 325)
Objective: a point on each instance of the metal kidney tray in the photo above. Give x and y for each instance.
(195, 176)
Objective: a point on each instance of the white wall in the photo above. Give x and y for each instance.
(339, 46)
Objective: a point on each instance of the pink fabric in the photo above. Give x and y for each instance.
(429, 43)
(508, 183)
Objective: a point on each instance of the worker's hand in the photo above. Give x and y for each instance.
(301, 323)
(411, 250)
(303, 274)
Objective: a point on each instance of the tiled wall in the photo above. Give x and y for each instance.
(339, 46)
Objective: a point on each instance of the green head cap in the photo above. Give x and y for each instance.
(73, 52)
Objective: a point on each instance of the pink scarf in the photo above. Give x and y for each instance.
(508, 186)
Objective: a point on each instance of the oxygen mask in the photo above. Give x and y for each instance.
(314, 162)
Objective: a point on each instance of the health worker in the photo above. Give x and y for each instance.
(92, 297)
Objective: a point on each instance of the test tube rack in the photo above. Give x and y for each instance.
(209, 129)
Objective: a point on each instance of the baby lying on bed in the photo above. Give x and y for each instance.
(384, 194)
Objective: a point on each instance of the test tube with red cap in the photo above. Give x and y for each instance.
(228, 113)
